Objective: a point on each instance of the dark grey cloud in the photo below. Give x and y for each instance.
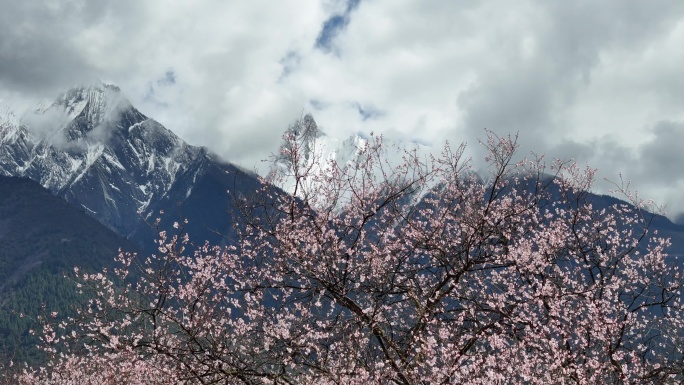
(36, 50)
(654, 168)
(568, 149)
(540, 67)
(507, 102)
(661, 158)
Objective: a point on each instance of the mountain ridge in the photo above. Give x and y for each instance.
(93, 148)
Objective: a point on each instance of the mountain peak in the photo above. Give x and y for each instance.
(93, 148)
(94, 102)
(306, 128)
(319, 153)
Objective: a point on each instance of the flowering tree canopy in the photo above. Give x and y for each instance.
(417, 273)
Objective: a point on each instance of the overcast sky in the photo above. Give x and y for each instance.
(598, 81)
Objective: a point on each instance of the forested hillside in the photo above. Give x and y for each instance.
(42, 238)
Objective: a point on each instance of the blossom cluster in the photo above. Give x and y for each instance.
(422, 273)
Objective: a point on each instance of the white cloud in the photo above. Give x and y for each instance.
(586, 79)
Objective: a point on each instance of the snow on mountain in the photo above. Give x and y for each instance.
(93, 148)
(8, 115)
(319, 153)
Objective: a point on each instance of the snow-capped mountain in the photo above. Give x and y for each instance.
(318, 153)
(97, 151)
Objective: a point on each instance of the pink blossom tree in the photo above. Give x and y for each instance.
(418, 273)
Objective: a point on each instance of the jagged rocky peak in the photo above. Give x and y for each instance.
(7, 116)
(318, 152)
(73, 114)
(85, 107)
(93, 114)
(306, 128)
(94, 101)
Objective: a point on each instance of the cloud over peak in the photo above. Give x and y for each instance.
(596, 81)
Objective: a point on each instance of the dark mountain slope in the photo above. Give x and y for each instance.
(42, 238)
